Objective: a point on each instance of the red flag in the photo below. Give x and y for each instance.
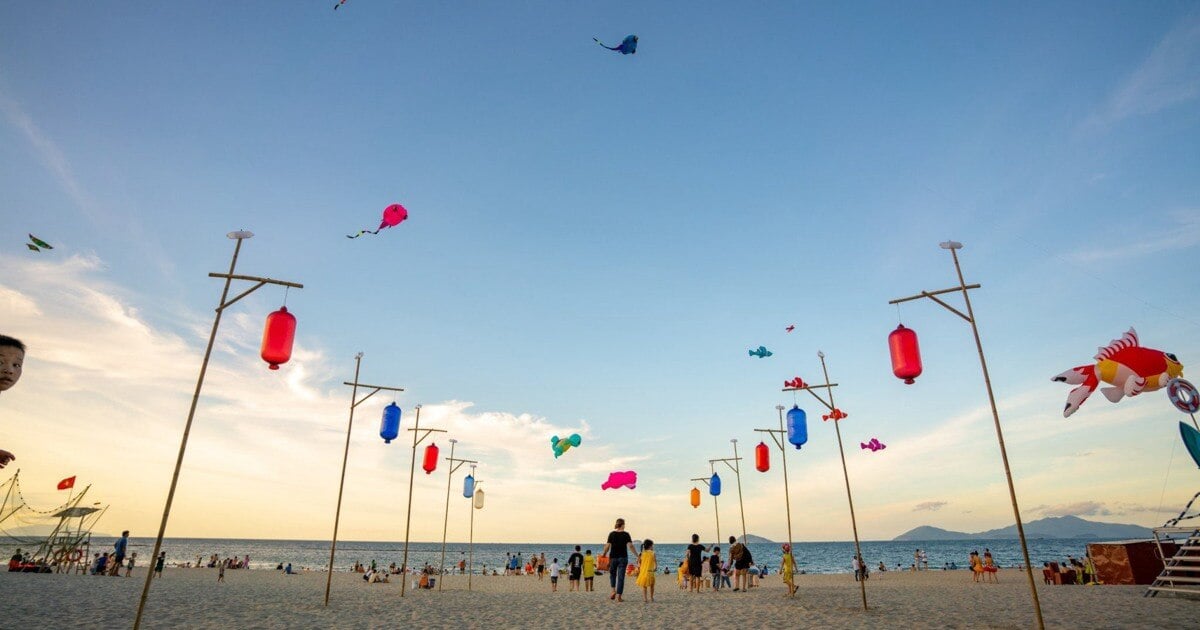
(67, 483)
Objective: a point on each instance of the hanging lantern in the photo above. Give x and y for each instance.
(389, 427)
(278, 336)
(797, 426)
(714, 485)
(430, 463)
(695, 497)
(762, 457)
(468, 486)
(479, 499)
(906, 355)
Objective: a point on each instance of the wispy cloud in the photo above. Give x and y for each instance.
(1168, 76)
(1184, 233)
(1080, 508)
(930, 506)
(48, 153)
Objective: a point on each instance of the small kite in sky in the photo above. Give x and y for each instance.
(36, 244)
(562, 445)
(340, 3)
(628, 46)
(627, 479)
(761, 352)
(393, 215)
(796, 383)
(790, 328)
(835, 415)
(874, 445)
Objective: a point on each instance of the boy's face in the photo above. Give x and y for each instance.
(11, 360)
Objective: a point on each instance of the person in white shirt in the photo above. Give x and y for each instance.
(554, 571)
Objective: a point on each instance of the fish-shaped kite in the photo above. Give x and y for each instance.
(340, 3)
(563, 445)
(761, 352)
(626, 479)
(393, 215)
(874, 445)
(36, 244)
(790, 328)
(835, 415)
(796, 383)
(1125, 364)
(628, 46)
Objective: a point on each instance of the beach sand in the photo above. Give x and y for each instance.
(192, 598)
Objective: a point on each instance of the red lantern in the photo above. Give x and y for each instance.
(278, 337)
(695, 497)
(431, 454)
(906, 355)
(762, 457)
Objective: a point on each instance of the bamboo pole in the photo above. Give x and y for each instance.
(471, 544)
(778, 436)
(737, 470)
(446, 520)
(417, 439)
(337, 514)
(862, 583)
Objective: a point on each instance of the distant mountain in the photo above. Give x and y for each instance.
(758, 540)
(1050, 527)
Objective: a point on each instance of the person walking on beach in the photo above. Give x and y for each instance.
(647, 568)
(554, 570)
(695, 562)
(989, 567)
(118, 557)
(574, 568)
(714, 568)
(12, 359)
(619, 544)
(857, 568)
(158, 564)
(541, 565)
(976, 566)
(739, 554)
(787, 568)
(924, 560)
(589, 571)
(221, 573)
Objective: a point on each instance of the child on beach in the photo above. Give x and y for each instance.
(554, 570)
(648, 565)
(589, 570)
(787, 568)
(12, 358)
(989, 567)
(976, 566)
(158, 564)
(130, 563)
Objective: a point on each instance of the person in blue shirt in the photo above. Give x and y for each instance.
(118, 556)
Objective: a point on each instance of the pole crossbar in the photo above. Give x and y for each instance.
(282, 283)
(925, 294)
(774, 438)
(375, 387)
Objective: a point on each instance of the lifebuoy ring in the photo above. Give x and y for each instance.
(1183, 395)
(76, 555)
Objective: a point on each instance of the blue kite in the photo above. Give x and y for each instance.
(628, 46)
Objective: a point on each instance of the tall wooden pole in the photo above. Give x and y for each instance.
(408, 520)
(787, 496)
(337, 515)
(737, 470)
(452, 467)
(187, 428)
(471, 544)
(862, 583)
(1012, 493)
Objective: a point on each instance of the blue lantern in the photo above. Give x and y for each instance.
(469, 487)
(714, 485)
(389, 428)
(797, 426)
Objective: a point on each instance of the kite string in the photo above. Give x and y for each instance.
(1163, 494)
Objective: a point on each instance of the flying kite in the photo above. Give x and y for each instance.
(393, 215)
(627, 479)
(563, 445)
(796, 383)
(1126, 365)
(36, 244)
(340, 3)
(761, 352)
(628, 46)
(790, 328)
(835, 415)
(874, 445)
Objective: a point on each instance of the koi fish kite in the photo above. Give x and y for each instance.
(790, 328)
(628, 46)
(835, 415)
(626, 479)
(563, 445)
(874, 445)
(36, 244)
(796, 383)
(393, 215)
(340, 3)
(761, 352)
(1126, 365)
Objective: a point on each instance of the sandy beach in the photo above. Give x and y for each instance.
(192, 598)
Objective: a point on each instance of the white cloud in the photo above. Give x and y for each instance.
(1170, 75)
(1182, 234)
(930, 506)
(47, 152)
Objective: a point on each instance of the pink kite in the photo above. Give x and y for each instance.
(618, 479)
(796, 383)
(874, 445)
(393, 215)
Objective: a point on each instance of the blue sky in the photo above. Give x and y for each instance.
(595, 240)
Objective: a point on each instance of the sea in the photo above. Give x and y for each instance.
(812, 557)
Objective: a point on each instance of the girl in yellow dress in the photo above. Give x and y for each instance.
(647, 566)
(787, 568)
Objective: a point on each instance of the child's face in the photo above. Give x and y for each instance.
(11, 360)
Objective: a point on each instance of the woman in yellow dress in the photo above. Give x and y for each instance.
(647, 567)
(787, 568)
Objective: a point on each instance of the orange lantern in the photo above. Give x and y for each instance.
(695, 497)
(431, 455)
(278, 336)
(906, 354)
(762, 457)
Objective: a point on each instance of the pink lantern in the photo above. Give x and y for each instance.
(906, 354)
(431, 455)
(278, 337)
